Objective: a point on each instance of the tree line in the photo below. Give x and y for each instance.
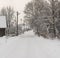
(43, 17)
(13, 28)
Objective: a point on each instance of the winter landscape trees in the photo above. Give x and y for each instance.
(43, 17)
(8, 12)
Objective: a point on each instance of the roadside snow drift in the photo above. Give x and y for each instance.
(29, 46)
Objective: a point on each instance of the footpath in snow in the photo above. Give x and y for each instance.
(29, 46)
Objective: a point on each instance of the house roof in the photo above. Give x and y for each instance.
(3, 22)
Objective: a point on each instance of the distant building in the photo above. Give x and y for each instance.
(2, 25)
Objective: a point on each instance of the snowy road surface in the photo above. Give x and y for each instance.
(29, 46)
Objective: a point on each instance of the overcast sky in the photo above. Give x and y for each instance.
(17, 4)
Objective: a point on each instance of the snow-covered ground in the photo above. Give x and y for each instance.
(29, 46)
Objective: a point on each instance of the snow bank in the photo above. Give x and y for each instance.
(29, 46)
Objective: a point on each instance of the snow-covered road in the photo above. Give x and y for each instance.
(30, 46)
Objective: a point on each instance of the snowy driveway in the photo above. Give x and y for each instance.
(30, 46)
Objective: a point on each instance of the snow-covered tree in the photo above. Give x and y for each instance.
(42, 16)
(9, 13)
(36, 13)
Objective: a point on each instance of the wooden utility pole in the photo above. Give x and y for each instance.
(17, 23)
(53, 17)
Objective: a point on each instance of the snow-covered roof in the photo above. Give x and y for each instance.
(2, 22)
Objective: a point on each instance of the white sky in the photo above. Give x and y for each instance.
(17, 4)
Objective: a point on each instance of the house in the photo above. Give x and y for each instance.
(2, 25)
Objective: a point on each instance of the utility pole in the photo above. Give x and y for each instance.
(17, 23)
(53, 17)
